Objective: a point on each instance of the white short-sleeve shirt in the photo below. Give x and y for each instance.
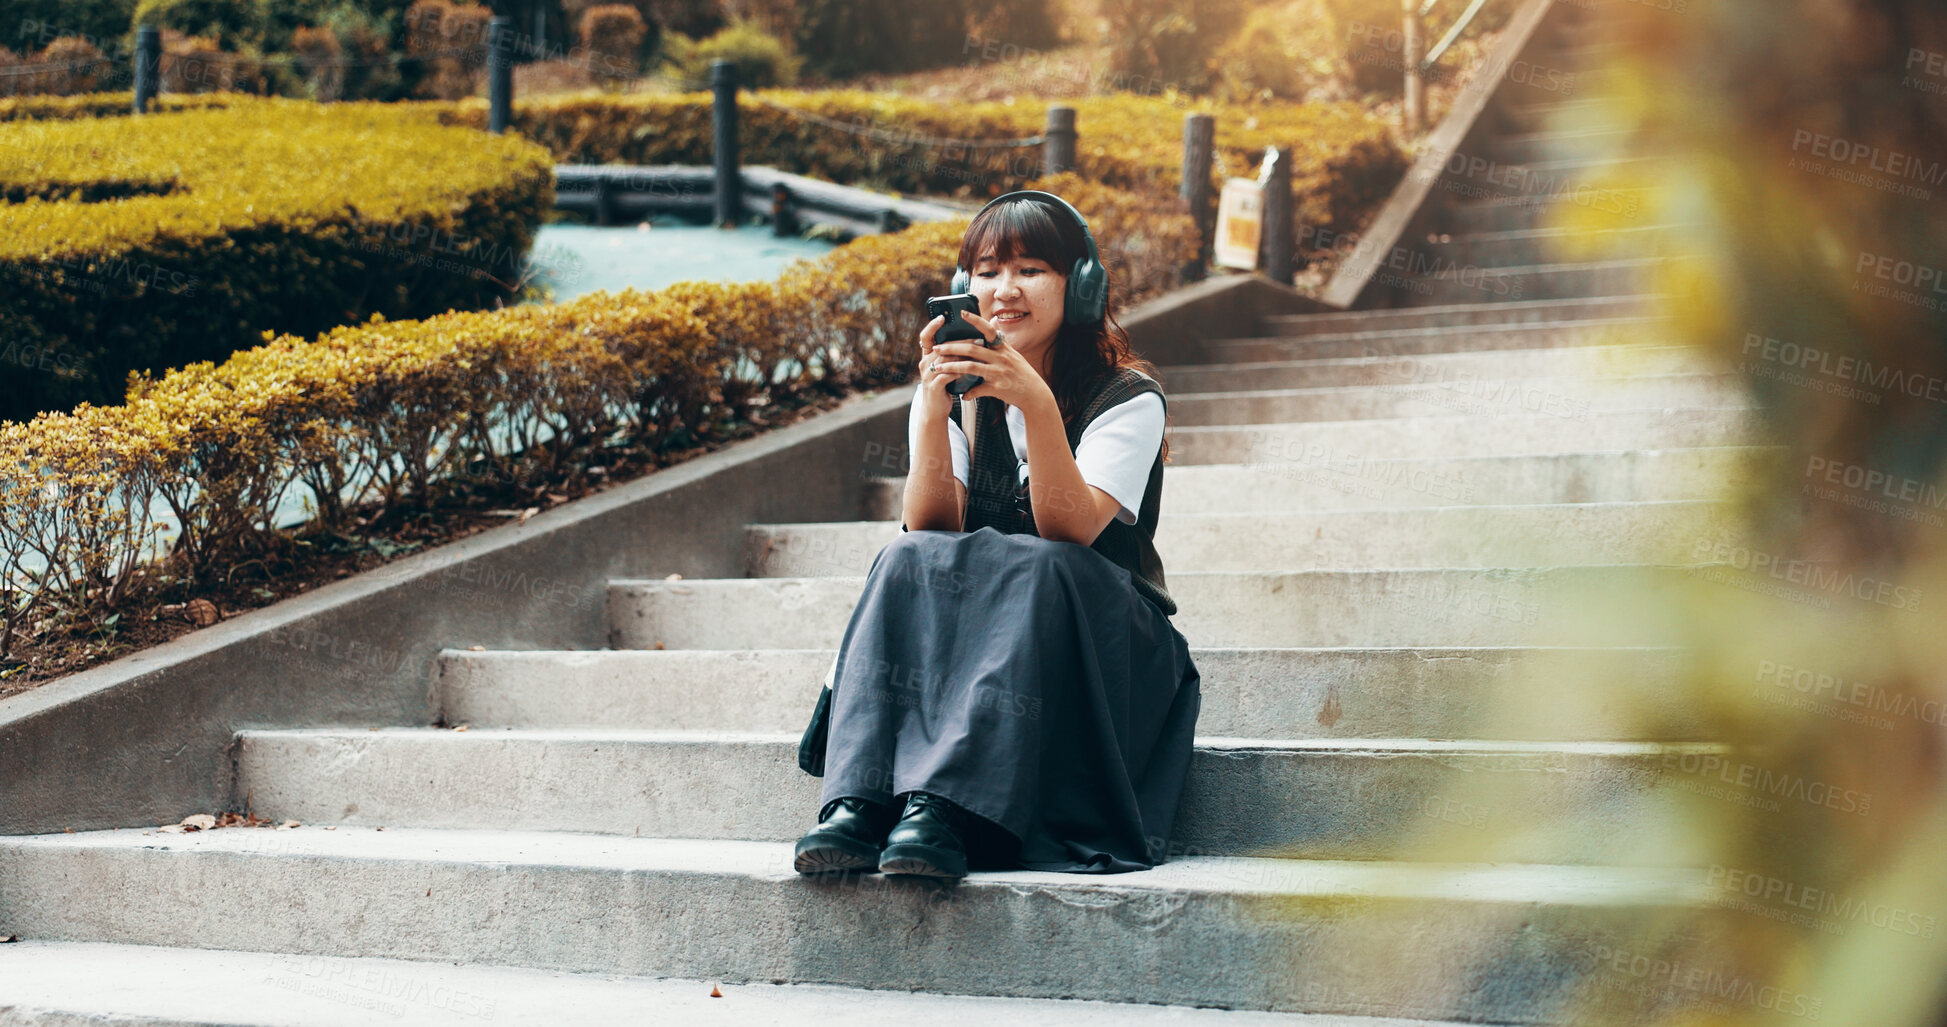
(1114, 454)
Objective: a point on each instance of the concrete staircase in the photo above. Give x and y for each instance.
(1410, 798)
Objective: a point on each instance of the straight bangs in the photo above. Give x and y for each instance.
(1018, 228)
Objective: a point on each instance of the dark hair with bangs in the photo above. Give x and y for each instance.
(1083, 353)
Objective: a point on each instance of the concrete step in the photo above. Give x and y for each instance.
(1538, 112)
(1292, 798)
(1390, 608)
(1597, 363)
(1509, 693)
(1464, 435)
(1570, 397)
(1554, 176)
(1532, 246)
(1437, 281)
(1520, 147)
(1581, 308)
(1475, 209)
(1320, 481)
(67, 984)
(1455, 536)
(1417, 341)
(1240, 933)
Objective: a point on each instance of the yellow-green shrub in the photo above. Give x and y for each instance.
(159, 241)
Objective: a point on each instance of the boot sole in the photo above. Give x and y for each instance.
(923, 861)
(831, 858)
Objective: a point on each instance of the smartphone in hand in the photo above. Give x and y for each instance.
(957, 329)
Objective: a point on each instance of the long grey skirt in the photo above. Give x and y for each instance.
(1028, 682)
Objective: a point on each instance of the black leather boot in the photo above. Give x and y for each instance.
(930, 839)
(849, 835)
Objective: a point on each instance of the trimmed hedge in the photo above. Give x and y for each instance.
(410, 409)
(154, 242)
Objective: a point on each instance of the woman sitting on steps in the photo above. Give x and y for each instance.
(1010, 689)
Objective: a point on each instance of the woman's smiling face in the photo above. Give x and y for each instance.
(1024, 297)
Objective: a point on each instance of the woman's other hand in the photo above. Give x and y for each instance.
(1008, 375)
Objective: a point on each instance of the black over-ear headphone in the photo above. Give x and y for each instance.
(1088, 282)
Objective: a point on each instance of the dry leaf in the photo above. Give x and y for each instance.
(462, 727)
(172, 829)
(287, 825)
(557, 499)
(659, 645)
(715, 992)
(529, 512)
(199, 822)
(674, 577)
(201, 612)
(476, 648)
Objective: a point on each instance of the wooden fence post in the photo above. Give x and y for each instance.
(500, 73)
(1279, 247)
(730, 183)
(148, 66)
(1199, 150)
(1058, 149)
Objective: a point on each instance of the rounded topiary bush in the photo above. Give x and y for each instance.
(134, 243)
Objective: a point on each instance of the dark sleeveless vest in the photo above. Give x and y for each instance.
(996, 499)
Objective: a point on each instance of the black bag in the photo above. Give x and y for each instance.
(811, 751)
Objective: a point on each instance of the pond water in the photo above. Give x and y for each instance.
(574, 260)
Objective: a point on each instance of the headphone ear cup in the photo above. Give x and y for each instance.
(1088, 293)
(962, 281)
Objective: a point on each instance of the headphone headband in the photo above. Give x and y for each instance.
(1087, 281)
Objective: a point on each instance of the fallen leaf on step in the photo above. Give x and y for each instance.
(287, 825)
(552, 498)
(674, 577)
(171, 829)
(715, 992)
(462, 727)
(476, 648)
(198, 822)
(529, 512)
(659, 645)
(9, 938)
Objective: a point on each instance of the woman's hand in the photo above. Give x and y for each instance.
(936, 404)
(1008, 375)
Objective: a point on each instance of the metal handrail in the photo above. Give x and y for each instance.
(1416, 65)
(1453, 33)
